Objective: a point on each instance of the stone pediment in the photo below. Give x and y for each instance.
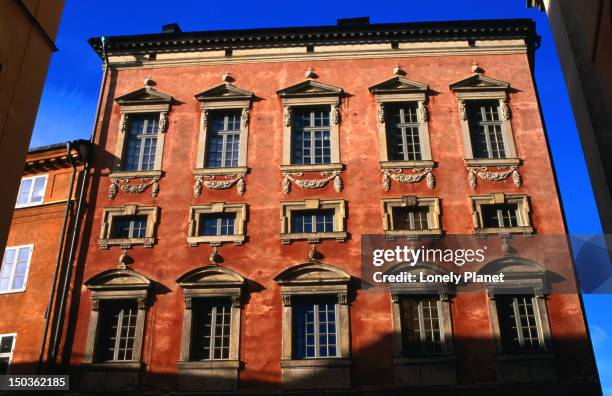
(143, 96)
(118, 279)
(309, 88)
(478, 82)
(312, 273)
(210, 276)
(398, 84)
(515, 268)
(224, 91)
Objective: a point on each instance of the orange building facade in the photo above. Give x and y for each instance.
(44, 212)
(221, 159)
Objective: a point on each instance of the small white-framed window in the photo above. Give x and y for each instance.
(7, 345)
(15, 267)
(31, 191)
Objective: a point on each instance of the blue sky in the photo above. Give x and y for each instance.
(69, 98)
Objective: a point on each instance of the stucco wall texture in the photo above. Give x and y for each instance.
(263, 256)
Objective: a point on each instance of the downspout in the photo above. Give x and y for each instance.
(58, 261)
(63, 292)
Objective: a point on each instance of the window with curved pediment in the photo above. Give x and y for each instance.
(519, 319)
(315, 326)
(116, 326)
(210, 345)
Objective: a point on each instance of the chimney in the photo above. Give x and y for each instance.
(353, 21)
(171, 28)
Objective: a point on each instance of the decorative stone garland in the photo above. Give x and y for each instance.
(124, 184)
(414, 177)
(209, 182)
(289, 177)
(483, 173)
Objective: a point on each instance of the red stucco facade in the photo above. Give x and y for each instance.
(263, 256)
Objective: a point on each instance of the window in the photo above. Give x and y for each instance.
(421, 327)
(217, 224)
(313, 221)
(411, 218)
(15, 266)
(129, 227)
(210, 338)
(7, 344)
(117, 330)
(411, 215)
(311, 136)
(518, 323)
(31, 191)
(315, 328)
(486, 129)
(141, 142)
(223, 139)
(211, 333)
(503, 215)
(403, 131)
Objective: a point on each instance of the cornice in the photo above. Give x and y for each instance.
(318, 35)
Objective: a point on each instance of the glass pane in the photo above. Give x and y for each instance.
(39, 189)
(24, 192)
(485, 129)
(6, 344)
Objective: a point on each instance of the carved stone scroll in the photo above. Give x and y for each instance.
(502, 174)
(290, 177)
(212, 183)
(335, 114)
(414, 177)
(125, 184)
(287, 115)
(380, 113)
(244, 118)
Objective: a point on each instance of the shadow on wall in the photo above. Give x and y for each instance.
(527, 374)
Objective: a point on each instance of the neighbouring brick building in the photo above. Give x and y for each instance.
(45, 210)
(221, 157)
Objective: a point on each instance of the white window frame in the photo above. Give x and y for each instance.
(30, 203)
(9, 354)
(27, 272)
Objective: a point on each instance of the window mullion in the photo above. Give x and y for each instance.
(316, 330)
(517, 321)
(213, 326)
(118, 335)
(421, 324)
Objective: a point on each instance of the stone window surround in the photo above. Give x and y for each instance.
(102, 287)
(289, 103)
(44, 189)
(525, 278)
(227, 104)
(212, 281)
(339, 207)
(316, 279)
(434, 216)
(108, 214)
(432, 369)
(127, 110)
(240, 209)
(509, 146)
(382, 100)
(524, 209)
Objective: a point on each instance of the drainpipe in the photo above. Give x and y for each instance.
(58, 260)
(63, 292)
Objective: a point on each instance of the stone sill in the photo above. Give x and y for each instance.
(112, 366)
(340, 236)
(425, 359)
(526, 230)
(492, 162)
(407, 164)
(415, 233)
(326, 362)
(216, 240)
(126, 243)
(135, 174)
(238, 170)
(312, 168)
(209, 365)
(535, 355)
